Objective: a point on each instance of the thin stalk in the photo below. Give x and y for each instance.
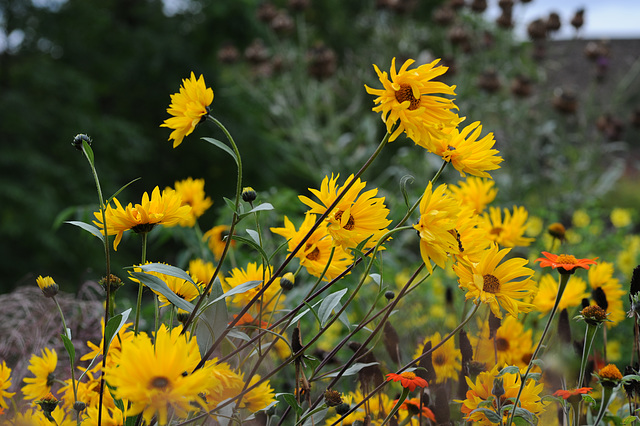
(140, 286)
(564, 279)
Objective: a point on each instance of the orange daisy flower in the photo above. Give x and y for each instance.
(566, 263)
(566, 394)
(408, 380)
(413, 407)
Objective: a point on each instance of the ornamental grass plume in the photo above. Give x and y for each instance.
(188, 107)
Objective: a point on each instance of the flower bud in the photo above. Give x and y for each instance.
(79, 406)
(47, 285)
(332, 398)
(249, 194)
(287, 281)
(77, 141)
(389, 295)
(114, 283)
(48, 403)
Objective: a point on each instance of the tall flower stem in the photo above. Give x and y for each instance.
(607, 393)
(589, 335)
(564, 279)
(140, 286)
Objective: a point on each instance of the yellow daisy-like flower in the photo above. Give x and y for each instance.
(379, 406)
(494, 284)
(548, 289)
(412, 98)
(88, 390)
(474, 192)
(113, 355)
(316, 253)
(480, 393)
(192, 193)
(201, 271)
(512, 344)
(259, 397)
(47, 285)
(152, 376)
(165, 209)
(253, 272)
(215, 237)
(357, 217)
(467, 153)
(224, 383)
(508, 232)
(5, 383)
(620, 217)
(43, 368)
(182, 288)
(110, 417)
(581, 219)
(446, 359)
(436, 227)
(188, 108)
(472, 240)
(601, 276)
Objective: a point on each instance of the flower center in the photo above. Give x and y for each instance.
(159, 382)
(439, 359)
(490, 284)
(502, 344)
(350, 222)
(314, 254)
(406, 94)
(408, 375)
(143, 228)
(496, 231)
(566, 259)
(50, 379)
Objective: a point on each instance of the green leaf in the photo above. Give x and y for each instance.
(89, 151)
(539, 363)
(315, 417)
(158, 285)
(259, 208)
(354, 369)
(68, 345)
(629, 419)
(89, 228)
(328, 304)
(407, 179)
(254, 236)
(231, 204)
(253, 244)
(490, 414)
(511, 369)
(246, 286)
(114, 325)
(223, 146)
(588, 399)
(376, 277)
(168, 270)
(290, 399)
(212, 319)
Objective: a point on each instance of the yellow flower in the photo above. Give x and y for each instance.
(165, 209)
(152, 376)
(182, 288)
(188, 108)
(214, 237)
(224, 383)
(111, 416)
(436, 227)
(601, 276)
(548, 289)
(508, 232)
(201, 271)
(379, 406)
(512, 345)
(316, 253)
(113, 355)
(472, 240)
(47, 285)
(494, 284)
(621, 217)
(259, 397)
(357, 217)
(192, 193)
(466, 153)
(253, 272)
(581, 219)
(534, 226)
(480, 394)
(43, 368)
(411, 97)
(474, 192)
(5, 383)
(88, 390)
(446, 359)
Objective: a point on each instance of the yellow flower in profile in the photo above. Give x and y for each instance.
(43, 368)
(474, 192)
(47, 285)
(621, 217)
(215, 237)
(494, 284)
(5, 383)
(580, 219)
(436, 227)
(548, 289)
(512, 344)
(472, 240)
(356, 218)
(201, 271)
(192, 193)
(467, 153)
(188, 108)
(413, 99)
(601, 276)
(111, 416)
(113, 355)
(446, 359)
(480, 394)
(508, 232)
(316, 253)
(151, 375)
(165, 209)
(253, 272)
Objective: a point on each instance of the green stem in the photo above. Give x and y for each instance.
(589, 335)
(394, 410)
(140, 286)
(607, 393)
(564, 279)
(67, 333)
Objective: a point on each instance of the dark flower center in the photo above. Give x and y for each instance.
(440, 359)
(350, 222)
(490, 284)
(143, 228)
(405, 93)
(314, 254)
(502, 344)
(159, 382)
(50, 379)
(496, 231)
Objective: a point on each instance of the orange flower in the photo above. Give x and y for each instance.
(566, 262)
(566, 394)
(413, 407)
(408, 380)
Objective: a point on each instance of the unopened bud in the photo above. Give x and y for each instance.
(249, 194)
(287, 281)
(77, 141)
